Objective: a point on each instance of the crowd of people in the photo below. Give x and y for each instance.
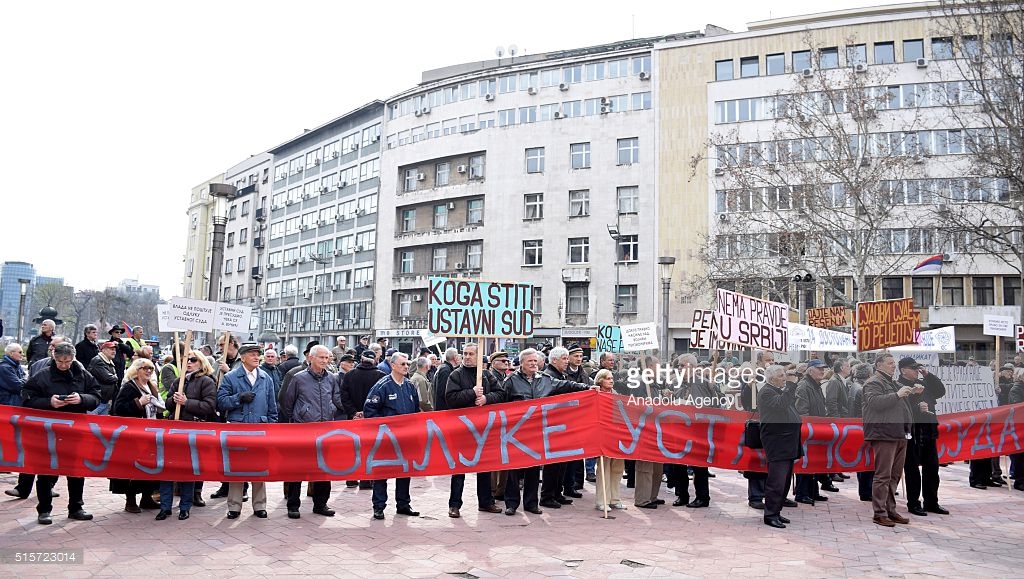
(244, 383)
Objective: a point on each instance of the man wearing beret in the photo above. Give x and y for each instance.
(810, 401)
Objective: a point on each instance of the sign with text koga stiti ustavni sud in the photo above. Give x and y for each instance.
(463, 308)
(751, 322)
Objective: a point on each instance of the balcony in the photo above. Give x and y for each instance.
(447, 235)
(968, 315)
(411, 281)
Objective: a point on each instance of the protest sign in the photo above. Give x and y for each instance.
(1019, 330)
(163, 314)
(458, 307)
(967, 388)
(609, 339)
(998, 326)
(702, 331)
(429, 338)
(751, 322)
(232, 318)
(937, 340)
(188, 314)
(827, 317)
(806, 338)
(639, 337)
(886, 323)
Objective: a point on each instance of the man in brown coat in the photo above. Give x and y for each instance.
(887, 427)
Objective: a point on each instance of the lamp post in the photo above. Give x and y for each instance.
(613, 231)
(220, 193)
(801, 282)
(665, 265)
(21, 308)
(324, 261)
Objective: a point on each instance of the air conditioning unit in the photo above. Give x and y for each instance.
(342, 184)
(723, 217)
(461, 169)
(451, 206)
(564, 86)
(860, 67)
(293, 261)
(417, 298)
(335, 154)
(531, 90)
(644, 75)
(316, 162)
(355, 146)
(772, 167)
(357, 248)
(460, 266)
(947, 258)
(307, 295)
(323, 189)
(303, 227)
(335, 287)
(783, 260)
(919, 159)
(807, 72)
(303, 259)
(942, 209)
(321, 222)
(417, 113)
(271, 266)
(375, 139)
(489, 96)
(865, 162)
(559, 115)
(420, 177)
(425, 110)
(605, 109)
(338, 252)
(290, 202)
(361, 211)
(719, 171)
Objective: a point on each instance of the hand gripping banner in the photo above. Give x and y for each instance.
(486, 438)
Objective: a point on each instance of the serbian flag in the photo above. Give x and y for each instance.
(128, 329)
(930, 265)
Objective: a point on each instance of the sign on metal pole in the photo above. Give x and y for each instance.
(998, 326)
(639, 337)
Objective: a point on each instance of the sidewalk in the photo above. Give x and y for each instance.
(981, 538)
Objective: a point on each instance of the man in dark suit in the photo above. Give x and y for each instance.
(780, 435)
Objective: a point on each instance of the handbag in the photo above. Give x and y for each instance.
(752, 433)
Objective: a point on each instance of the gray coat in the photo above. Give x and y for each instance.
(836, 400)
(518, 387)
(810, 400)
(308, 397)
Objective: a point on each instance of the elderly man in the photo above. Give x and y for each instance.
(810, 401)
(364, 342)
(422, 384)
(308, 399)
(38, 347)
(339, 349)
(14, 356)
(12, 375)
(393, 395)
(289, 359)
(350, 397)
(269, 366)
(440, 383)
(104, 371)
(780, 435)
(887, 427)
(921, 467)
(65, 386)
(694, 389)
(246, 395)
(87, 349)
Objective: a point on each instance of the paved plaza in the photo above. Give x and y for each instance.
(981, 538)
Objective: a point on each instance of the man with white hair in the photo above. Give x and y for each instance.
(289, 359)
(38, 347)
(422, 384)
(451, 360)
(552, 493)
(12, 376)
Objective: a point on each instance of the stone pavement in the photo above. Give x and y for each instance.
(981, 538)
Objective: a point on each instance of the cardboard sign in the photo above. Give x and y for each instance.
(808, 338)
(937, 340)
(827, 317)
(429, 338)
(458, 307)
(163, 314)
(751, 322)
(1019, 330)
(196, 315)
(967, 388)
(230, 317)
(639, 337)
(609, 339)
(998, 326)
(887, 323)
(702, 331)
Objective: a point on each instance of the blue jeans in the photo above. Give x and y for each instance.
(185, 489)
(380, 493)
(591, 465)
(103, 409)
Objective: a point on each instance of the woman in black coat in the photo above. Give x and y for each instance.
(780, 436)
(137, 398)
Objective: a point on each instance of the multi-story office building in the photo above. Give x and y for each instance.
(537, 169)
(132, 286)
(906, 139)
(10, 294)
(196, 280)
(321, 232)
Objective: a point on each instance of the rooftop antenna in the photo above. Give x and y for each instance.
(512, 50)
(499, 51)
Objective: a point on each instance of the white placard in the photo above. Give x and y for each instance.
(937, 340)
(998, 326)
(163, 313)
(196, 315)
(640, 337)
(230, 317)
(1019, 330)
(967, 388)
(751, 322)
(809, 338)
(702, 331)
(429, 338)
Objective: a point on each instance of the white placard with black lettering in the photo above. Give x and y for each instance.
(640, 337)
(998, 326)
(230, 317)
(187, 314)
(163, 313)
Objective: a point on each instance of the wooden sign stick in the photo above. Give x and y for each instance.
(181, 368)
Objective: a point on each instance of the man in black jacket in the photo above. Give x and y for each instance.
(64, 386)
(810, 401)
(921, 469)
(780, 435)
(461, 392)
(553, 491)
(121, 353)
(440, 382)
(102, 368)
(87, 349)
(38, 347)
(351, 395)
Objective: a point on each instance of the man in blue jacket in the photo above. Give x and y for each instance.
(393, 395)
(12, 376)
(247, 395)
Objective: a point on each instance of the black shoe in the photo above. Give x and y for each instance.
(698, 504)
(843, 476)
(835, 478)
(510, 512)
(821, 499)
(712, 475)
(44, 519)
(937, 509)
(16, 494)
(805, 501)
(245, 498)
(378, 514)
(260, 514)
(54, 495)
(866, 499)
(563, 500)
(996, 483)
(162, 515)
(784, 519)
(648, 506)
(681, 502)
(233, 514)
(533, 510)
(573, 494)
(148, 503)
(294, 514)
(366, 485)
(220, 494)
(407, 511)
(182, 515)
(789, 503)
(759, 505)
(550, 504)
(659, 501)
(351, 484)
(324, 510)
(591, 478)
(917, 510)
(197, 501)
(1018, 486)
(80, 515)
(774, 522)
(978, 486)
(830, 488)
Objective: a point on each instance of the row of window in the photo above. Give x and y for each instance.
(348, 176)
(472, 258)
(443, 173)
(359, 277)
(243, 237)
(627, 250)
(524, 115)
(336, 316)
(577, 300)
(331, 150)
(439, 215)
(942, 48)
(229, 265)
(323, 216)
(341, 245)
(627, 153)
(627, 201)
(233, 210)
(524, 81)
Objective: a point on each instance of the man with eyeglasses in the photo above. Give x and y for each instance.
(65, 386)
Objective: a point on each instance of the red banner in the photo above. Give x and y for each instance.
(487, 438)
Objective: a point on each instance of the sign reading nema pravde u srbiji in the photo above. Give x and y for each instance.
(458, 307)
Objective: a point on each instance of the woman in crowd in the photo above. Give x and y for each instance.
(137, 398)
(609, 470)
(198, 402)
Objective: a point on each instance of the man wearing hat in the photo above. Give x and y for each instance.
(364, 343)
(385, 364)
(104, 370)
(500, 365)
(810, 401)
(921, 468)
(122, 352)
(339, 349)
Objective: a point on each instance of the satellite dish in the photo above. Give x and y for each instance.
(499, 51)
(512, 49)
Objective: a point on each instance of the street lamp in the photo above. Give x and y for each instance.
(801, 282)
(220, 192)
(21, 308)
(665, 265)
(613, 231)
(324, 261)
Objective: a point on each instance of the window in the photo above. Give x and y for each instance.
(593, 71)
(625, 299)
(952, 291)
(368, 204)
(942, 48)
(276, 230)
(485, 120)
(441, 172)
(440, 216)
(641, 64)
(723, 70)
(533, 252)
(474, 255)
(476, 167)
(440, 261)
(629, 248)
(535, 160)
(537, 300)
(856, 54)
(449, 126)
(984, 291)
(405, 304)
(325, 248)
(970, 46)
(547, 112)
(507, 84)
(527, 115)
(241, 263)
(913, 50)
(370, 135)
(226, 294)
(885, 53)
(801, 60)
(506, 117)
(367, 240)
(411, 179)
(363, 276)
(577, 298)
(280, 171)
(579, 155)
(229, 266)
(641, 101)
(408, 220)
(474, 211)
(579, 203)
(243, 235)
(1011, 290)
(533, 206)
(828, 57)
(579, 250)
(618, 68)
(231, 239)
(892, 288)
(232, 212)
(629, 151)
(775, 64)
(921, 290)
(749, 66)
(406, 262)
(313, 158)
(628, 199)
(245, 207)
(571, 74)
(369, 169)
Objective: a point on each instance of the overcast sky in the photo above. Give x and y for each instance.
(112, 111)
